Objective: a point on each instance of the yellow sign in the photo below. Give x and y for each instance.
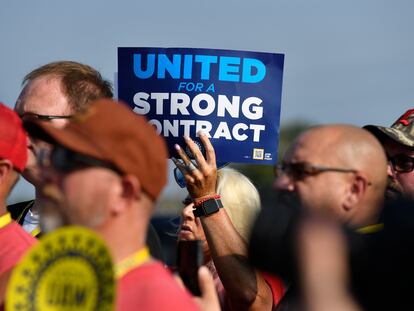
(70, 269)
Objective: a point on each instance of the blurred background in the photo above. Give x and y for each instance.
(345, 61)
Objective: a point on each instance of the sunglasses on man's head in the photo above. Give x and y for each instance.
(301, 170)
(66, 161)
(402, 163)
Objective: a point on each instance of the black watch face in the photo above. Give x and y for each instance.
(210, 207)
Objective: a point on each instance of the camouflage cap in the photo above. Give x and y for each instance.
(402, 131)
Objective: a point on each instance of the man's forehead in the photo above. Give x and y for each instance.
(393, 147)
(300, 153)
(43, 95)
(305, 149)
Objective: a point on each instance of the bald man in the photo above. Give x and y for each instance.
(338, 170)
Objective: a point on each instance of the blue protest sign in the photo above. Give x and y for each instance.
(232, 96)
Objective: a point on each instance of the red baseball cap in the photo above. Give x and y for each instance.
(13, 139)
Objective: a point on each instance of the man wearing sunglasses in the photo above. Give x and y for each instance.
(398, 142)
(105, 170)
(53, 93)
(339, 170)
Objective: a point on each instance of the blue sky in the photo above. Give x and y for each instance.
(346, 61)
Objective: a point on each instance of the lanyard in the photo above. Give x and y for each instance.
(371, 228)
(35, 232)
(131, 262)
(24, 212)
(5, 220)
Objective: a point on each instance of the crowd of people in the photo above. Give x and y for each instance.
(95, 163)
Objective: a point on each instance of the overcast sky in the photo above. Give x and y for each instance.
(347, 61)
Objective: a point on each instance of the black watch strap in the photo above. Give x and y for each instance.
(208, 207)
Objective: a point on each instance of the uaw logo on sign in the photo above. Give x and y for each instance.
(232, 96)
(70, 269)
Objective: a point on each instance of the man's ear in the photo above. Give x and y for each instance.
(356, 191)
(6, 167)
(130, 191)
(131, 187)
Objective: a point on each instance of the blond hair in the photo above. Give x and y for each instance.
(240, 199)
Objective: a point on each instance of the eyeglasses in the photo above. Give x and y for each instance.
(66, 161)
(402, 163)
(34, 116)
(301, 170)
(180, 179)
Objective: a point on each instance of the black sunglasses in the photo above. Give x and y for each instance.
(402, 163)
(66, 161)
(301, 170)
(34, 116)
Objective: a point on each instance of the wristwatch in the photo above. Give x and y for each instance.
(207, 207)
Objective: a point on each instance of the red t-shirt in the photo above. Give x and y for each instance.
(276, 286)
(151, 287)
(14, 243)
